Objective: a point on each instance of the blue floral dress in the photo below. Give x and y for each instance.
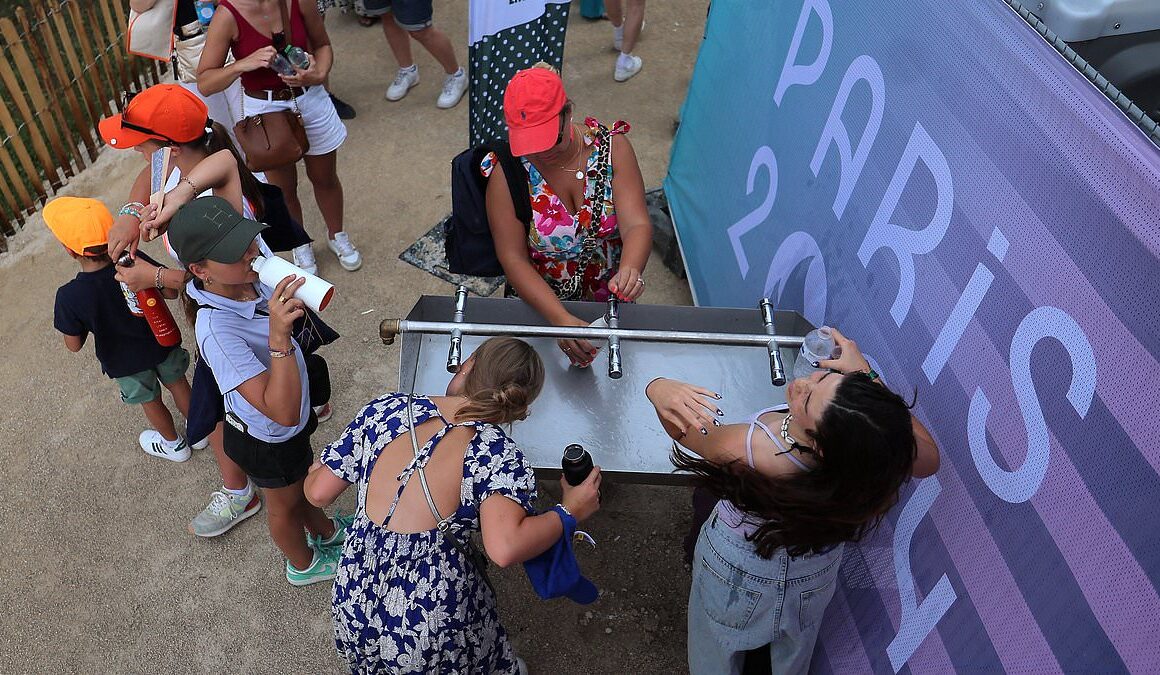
(411, 603)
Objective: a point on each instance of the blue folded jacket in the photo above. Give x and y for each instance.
(555, 572)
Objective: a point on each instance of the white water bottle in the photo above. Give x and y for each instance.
(818, 345)
(316, 293)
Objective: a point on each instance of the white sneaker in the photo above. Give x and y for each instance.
(323, 412)
(153, 443)
(304, 258)
(348, 255)
(453, 89)
(404, 80)
(200, 445)
(627, 65)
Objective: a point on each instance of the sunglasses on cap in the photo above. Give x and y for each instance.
(125, 124)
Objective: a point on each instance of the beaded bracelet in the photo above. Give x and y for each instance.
(157, 279)
(282, 354)
(132, 209)
(187, 181)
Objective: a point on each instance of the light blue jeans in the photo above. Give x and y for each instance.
(740, 601)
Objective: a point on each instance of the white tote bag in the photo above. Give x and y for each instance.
(150, 33)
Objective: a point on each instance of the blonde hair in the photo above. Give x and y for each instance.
(546, 66)
(506, 376)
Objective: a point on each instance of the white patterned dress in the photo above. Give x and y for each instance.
(411, 603)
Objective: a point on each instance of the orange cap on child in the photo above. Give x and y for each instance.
(78, 222)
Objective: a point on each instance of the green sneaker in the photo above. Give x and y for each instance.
(336, 540)
(322, 568)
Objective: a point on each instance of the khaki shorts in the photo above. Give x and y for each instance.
(145, 386)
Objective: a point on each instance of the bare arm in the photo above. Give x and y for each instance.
(141, 5)
(73, 343)
(322, 487)
(632, 220)
(125, 232)
(926, 460)
(512, 536)
(688, 414)
(218, 172)
(277, 391)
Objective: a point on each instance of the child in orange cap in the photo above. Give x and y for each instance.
(94, 303)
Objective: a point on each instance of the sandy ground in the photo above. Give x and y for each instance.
(99, 574)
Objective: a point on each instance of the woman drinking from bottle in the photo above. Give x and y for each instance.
(795, 484)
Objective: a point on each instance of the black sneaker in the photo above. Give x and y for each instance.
(344, 109)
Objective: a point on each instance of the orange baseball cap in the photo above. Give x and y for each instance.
(78, 222)
(531, 107)
(164, 112)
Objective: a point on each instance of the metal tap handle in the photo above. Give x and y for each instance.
(612, 317)
(454, 352)
(776, 368)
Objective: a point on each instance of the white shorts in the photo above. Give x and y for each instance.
(324, 129)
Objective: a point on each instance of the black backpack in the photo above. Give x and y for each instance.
(467, 234)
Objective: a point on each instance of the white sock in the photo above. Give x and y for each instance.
(170, 445)
(246, 492)
(618, 32)
(624, 60)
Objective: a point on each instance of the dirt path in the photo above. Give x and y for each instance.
(99, 573)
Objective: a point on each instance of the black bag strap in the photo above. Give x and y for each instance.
(517, 179)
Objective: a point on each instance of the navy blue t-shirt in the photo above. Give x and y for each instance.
(93, 303)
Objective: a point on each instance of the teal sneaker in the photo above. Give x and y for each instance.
(323, 568)
(336, 540)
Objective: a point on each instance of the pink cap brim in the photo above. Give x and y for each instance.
(525, 141)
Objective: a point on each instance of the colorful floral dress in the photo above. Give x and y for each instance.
(412, 603)
(553, 244)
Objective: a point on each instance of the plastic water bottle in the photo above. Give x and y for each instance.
(818, 345)
(281, 65)
(296, 56)
(204, 10)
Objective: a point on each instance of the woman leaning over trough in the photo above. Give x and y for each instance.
(795, 484)
(255, 32)
(589, 236)
(410, 595)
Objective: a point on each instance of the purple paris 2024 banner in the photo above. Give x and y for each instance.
(937, 181)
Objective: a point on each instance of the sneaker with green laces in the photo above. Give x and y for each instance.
(336, 540)
(223, 512)
(324, 567)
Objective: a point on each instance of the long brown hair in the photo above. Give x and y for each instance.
(506, 376)
(866, 452)
(216, 138)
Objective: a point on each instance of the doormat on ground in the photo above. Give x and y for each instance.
(429, 255)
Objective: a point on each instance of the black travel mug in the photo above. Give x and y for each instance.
(577, 464)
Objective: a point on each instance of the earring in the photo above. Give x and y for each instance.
(208, 281)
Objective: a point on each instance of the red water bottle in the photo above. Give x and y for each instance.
(152, 306)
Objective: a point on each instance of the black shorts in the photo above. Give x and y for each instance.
(271, 465)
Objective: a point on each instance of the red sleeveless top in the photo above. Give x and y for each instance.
(250, 40)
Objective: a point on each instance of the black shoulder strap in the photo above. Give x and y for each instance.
(517, 180)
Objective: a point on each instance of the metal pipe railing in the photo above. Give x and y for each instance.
(390, 328)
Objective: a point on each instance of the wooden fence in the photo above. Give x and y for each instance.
(63, 66)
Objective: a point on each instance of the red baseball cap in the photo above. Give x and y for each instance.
(165, 112)
(531, 107)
